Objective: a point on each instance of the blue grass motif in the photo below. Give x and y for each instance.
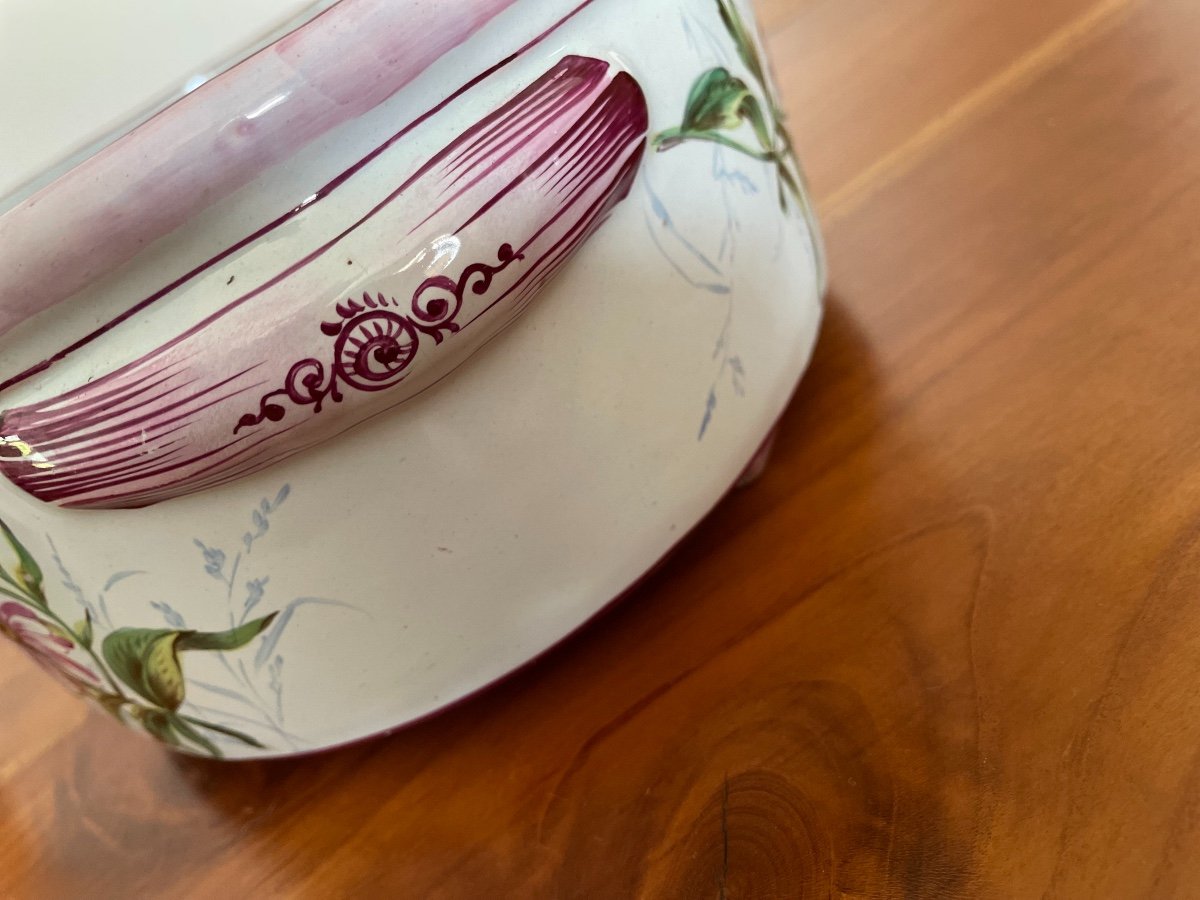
(260, 693)
(734, 108)
(714, 276)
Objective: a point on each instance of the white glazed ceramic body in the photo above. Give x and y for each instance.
(413, 558)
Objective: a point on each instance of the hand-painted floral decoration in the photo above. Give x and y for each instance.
(138, 675)
(721, 104)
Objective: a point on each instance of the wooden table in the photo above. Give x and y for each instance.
(948, 647)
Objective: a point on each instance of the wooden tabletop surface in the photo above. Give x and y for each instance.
(949, 646)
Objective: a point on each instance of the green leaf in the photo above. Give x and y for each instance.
(785, 136)
(228, 732)
(743, 38)
(180, 725)
(8, 579)
(148, 662)
(752, 112)
(28, 574)
(83, 630)
(225, 640)
(788, 181)
(715, 102)
(721, 102)
(12, 595)
(158, 725)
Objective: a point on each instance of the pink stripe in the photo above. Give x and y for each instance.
(337, 67)
(478, 148)
(624, 175)
(506, 147)
(9, 320)
(48, 432)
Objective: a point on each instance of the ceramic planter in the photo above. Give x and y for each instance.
(374, 366)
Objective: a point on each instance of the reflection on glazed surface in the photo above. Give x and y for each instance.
(358, 324)
(219, 138)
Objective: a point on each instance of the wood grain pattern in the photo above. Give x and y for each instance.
(947, 647)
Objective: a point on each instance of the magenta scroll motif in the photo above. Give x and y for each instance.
(374, 345)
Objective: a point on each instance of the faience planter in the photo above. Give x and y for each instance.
(339, 384)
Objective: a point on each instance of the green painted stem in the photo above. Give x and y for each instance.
(673, 137)
(103, 669)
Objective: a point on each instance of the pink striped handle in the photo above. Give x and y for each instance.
(453, 254)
